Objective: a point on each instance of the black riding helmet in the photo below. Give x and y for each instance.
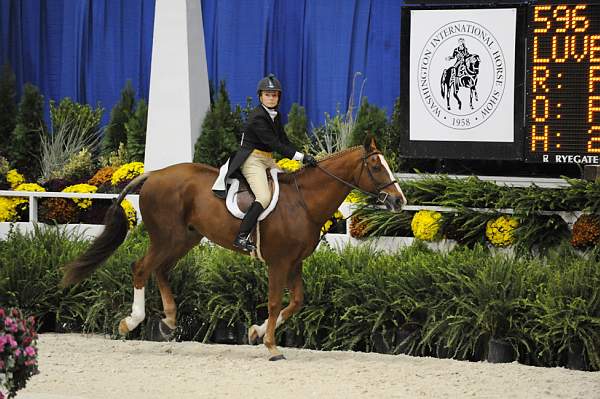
(271, 83)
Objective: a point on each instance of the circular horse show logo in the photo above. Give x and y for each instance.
(462, 74)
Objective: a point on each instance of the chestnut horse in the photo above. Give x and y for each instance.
(178, 209)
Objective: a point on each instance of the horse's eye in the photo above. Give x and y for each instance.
(377, 168)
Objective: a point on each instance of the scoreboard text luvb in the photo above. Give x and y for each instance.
(563, 83)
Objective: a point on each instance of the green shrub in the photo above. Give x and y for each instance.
(8, 107)
(220, 130)
(81, 118)
(296, 128)
(25, 141)
(115, 132)
(414, 301)
(370, 120)
(136, 132)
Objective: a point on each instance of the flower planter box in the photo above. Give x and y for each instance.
(386, 244)
(80, 230)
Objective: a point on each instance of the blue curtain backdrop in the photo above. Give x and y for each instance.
(82, 49)
(87, 49)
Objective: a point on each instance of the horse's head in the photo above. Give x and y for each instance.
(374, 176)
(472, 62)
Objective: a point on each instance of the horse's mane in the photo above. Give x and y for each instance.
(289, 176)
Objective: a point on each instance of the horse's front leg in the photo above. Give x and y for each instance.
(296, 300)
(455, 94)
(471, 97)
(277, 277)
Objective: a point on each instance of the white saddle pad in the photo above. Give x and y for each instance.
(231, 200)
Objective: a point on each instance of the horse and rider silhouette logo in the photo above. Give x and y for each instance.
(461, 74)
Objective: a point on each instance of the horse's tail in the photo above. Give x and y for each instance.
(115, 231)
(443, 83)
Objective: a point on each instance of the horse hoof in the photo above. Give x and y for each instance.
(166, 332)
(276, 358)
(123, 329)
(252, 335)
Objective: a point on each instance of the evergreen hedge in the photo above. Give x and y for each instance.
(25, 142)
(415, 301)
(8, 107)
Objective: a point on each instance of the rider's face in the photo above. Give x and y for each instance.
(269, 98)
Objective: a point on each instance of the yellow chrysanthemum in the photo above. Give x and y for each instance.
(127, 172)
(27, 187)
(8, 209)
(130, 213)
(426, 224)
(336, 216)
(83, 203)
(289, 165)
(14, 178)
(355, 198)
(500, 231)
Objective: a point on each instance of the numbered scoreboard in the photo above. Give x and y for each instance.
(563, 83)
(547, 107)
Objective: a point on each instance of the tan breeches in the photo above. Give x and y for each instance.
(254, 170)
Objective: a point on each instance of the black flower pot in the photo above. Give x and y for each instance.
(293, 339)
(576, 358)
(402, 339)
(380, 343)
(500, 351)
(230, 334)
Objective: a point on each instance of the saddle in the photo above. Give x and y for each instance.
(239, 197)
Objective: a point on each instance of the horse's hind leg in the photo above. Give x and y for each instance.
(141, 271)
(168, 324)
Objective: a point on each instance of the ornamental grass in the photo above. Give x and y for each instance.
(414, 301)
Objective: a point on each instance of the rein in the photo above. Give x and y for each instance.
(378, 187)
(378, 195)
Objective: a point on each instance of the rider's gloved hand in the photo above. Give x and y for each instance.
(309, 160)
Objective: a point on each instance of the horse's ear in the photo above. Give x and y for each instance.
(369, 143)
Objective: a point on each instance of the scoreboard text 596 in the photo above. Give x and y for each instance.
(563, 83)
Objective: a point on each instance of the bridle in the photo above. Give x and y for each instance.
(380, 195)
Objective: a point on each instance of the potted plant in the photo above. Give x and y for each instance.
(567, 315)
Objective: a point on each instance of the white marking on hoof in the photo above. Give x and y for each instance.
(253, 334)
(138, 312)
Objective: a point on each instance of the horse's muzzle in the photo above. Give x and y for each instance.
(392, 202)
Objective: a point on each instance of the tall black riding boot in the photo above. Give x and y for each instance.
(242, 241)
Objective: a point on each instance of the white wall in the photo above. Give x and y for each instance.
(179, 91)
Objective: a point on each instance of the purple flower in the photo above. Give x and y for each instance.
(17, 352)
(11, 341)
